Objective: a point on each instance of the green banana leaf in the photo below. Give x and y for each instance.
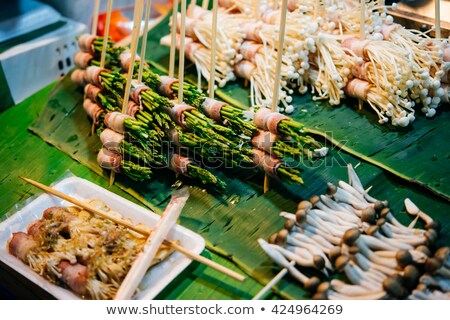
(232, 221)
(419, 153)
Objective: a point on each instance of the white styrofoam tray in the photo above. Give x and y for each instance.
(156, 279)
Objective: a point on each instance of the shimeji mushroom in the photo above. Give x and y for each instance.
(309, 234)
(310, 284)
(355, 274)
(317, 262)
(356, 183)
(395, 243)
(436, 266)
(338, 290)
(341, 195)
(285, 238)
(413, 210)
(435, 281)
(395, 224)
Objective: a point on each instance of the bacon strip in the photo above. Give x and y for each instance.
(75, 276)
(93, 75)
(212, 108)
(249, 49)
(165, 88)
(20, 245)
(82, 59)
(125, 59)
(174, 137)
(133, 107)
(260, 116)
(78, 77)
(91, 92)
(264, 140)
(266, 162)
(189, 27)
(115, 121)
(34, 228)
(356, 46)
(273, 119)
(251, 30)
(447, 54)
(86, 42)
(177, 113)
(244, 69)
(387, 29)
(109, 160)
(93, 110)
(270, 16)
(179, 164)
(136, 89)
(111, 140)
(357, 88)
(360, 70)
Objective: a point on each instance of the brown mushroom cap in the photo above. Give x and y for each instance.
(372, 230)
(331, 189)
(393, 286)
(422, 287)
(433, 264)
(431, 236)
(319, 262)
(379, 205)
(384, 212)
(425, 250)
(300, 216)
(334, 253)
(320, 296)
(304, 205)
(435, 225)
(273, 238)
(442, 253)
(380, 222)
(323, 287)
(341, 262)
(311, 284)
(289, 224)
(282, 237)
(350, 236)
(314, 200)
(411, 276)
(403, 258)
(368, 215)
(353, 250)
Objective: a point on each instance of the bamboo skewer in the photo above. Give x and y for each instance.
(276, 88)
(272, 282)
(106, 34)
(134, 39)
(362, 33)
(159, 232)
(212, 68)
(148, 10)
(205, 4)
(95, 17)
(181, 53)
(173, 39)
(437, 18)
(137, 229)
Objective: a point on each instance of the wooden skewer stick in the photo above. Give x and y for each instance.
(362, 33)
(159, 233)
(138, 5)
(272, 282)
(276, 87)
(205, 4)
(212, 68)
(181, 57)
(95, 17)
(106, 34)
(148, 10)
(137, 229)
(316, 8)
(173, 39)
(437, 18)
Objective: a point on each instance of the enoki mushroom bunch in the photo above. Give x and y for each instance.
(398, 70)
(346, 231)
